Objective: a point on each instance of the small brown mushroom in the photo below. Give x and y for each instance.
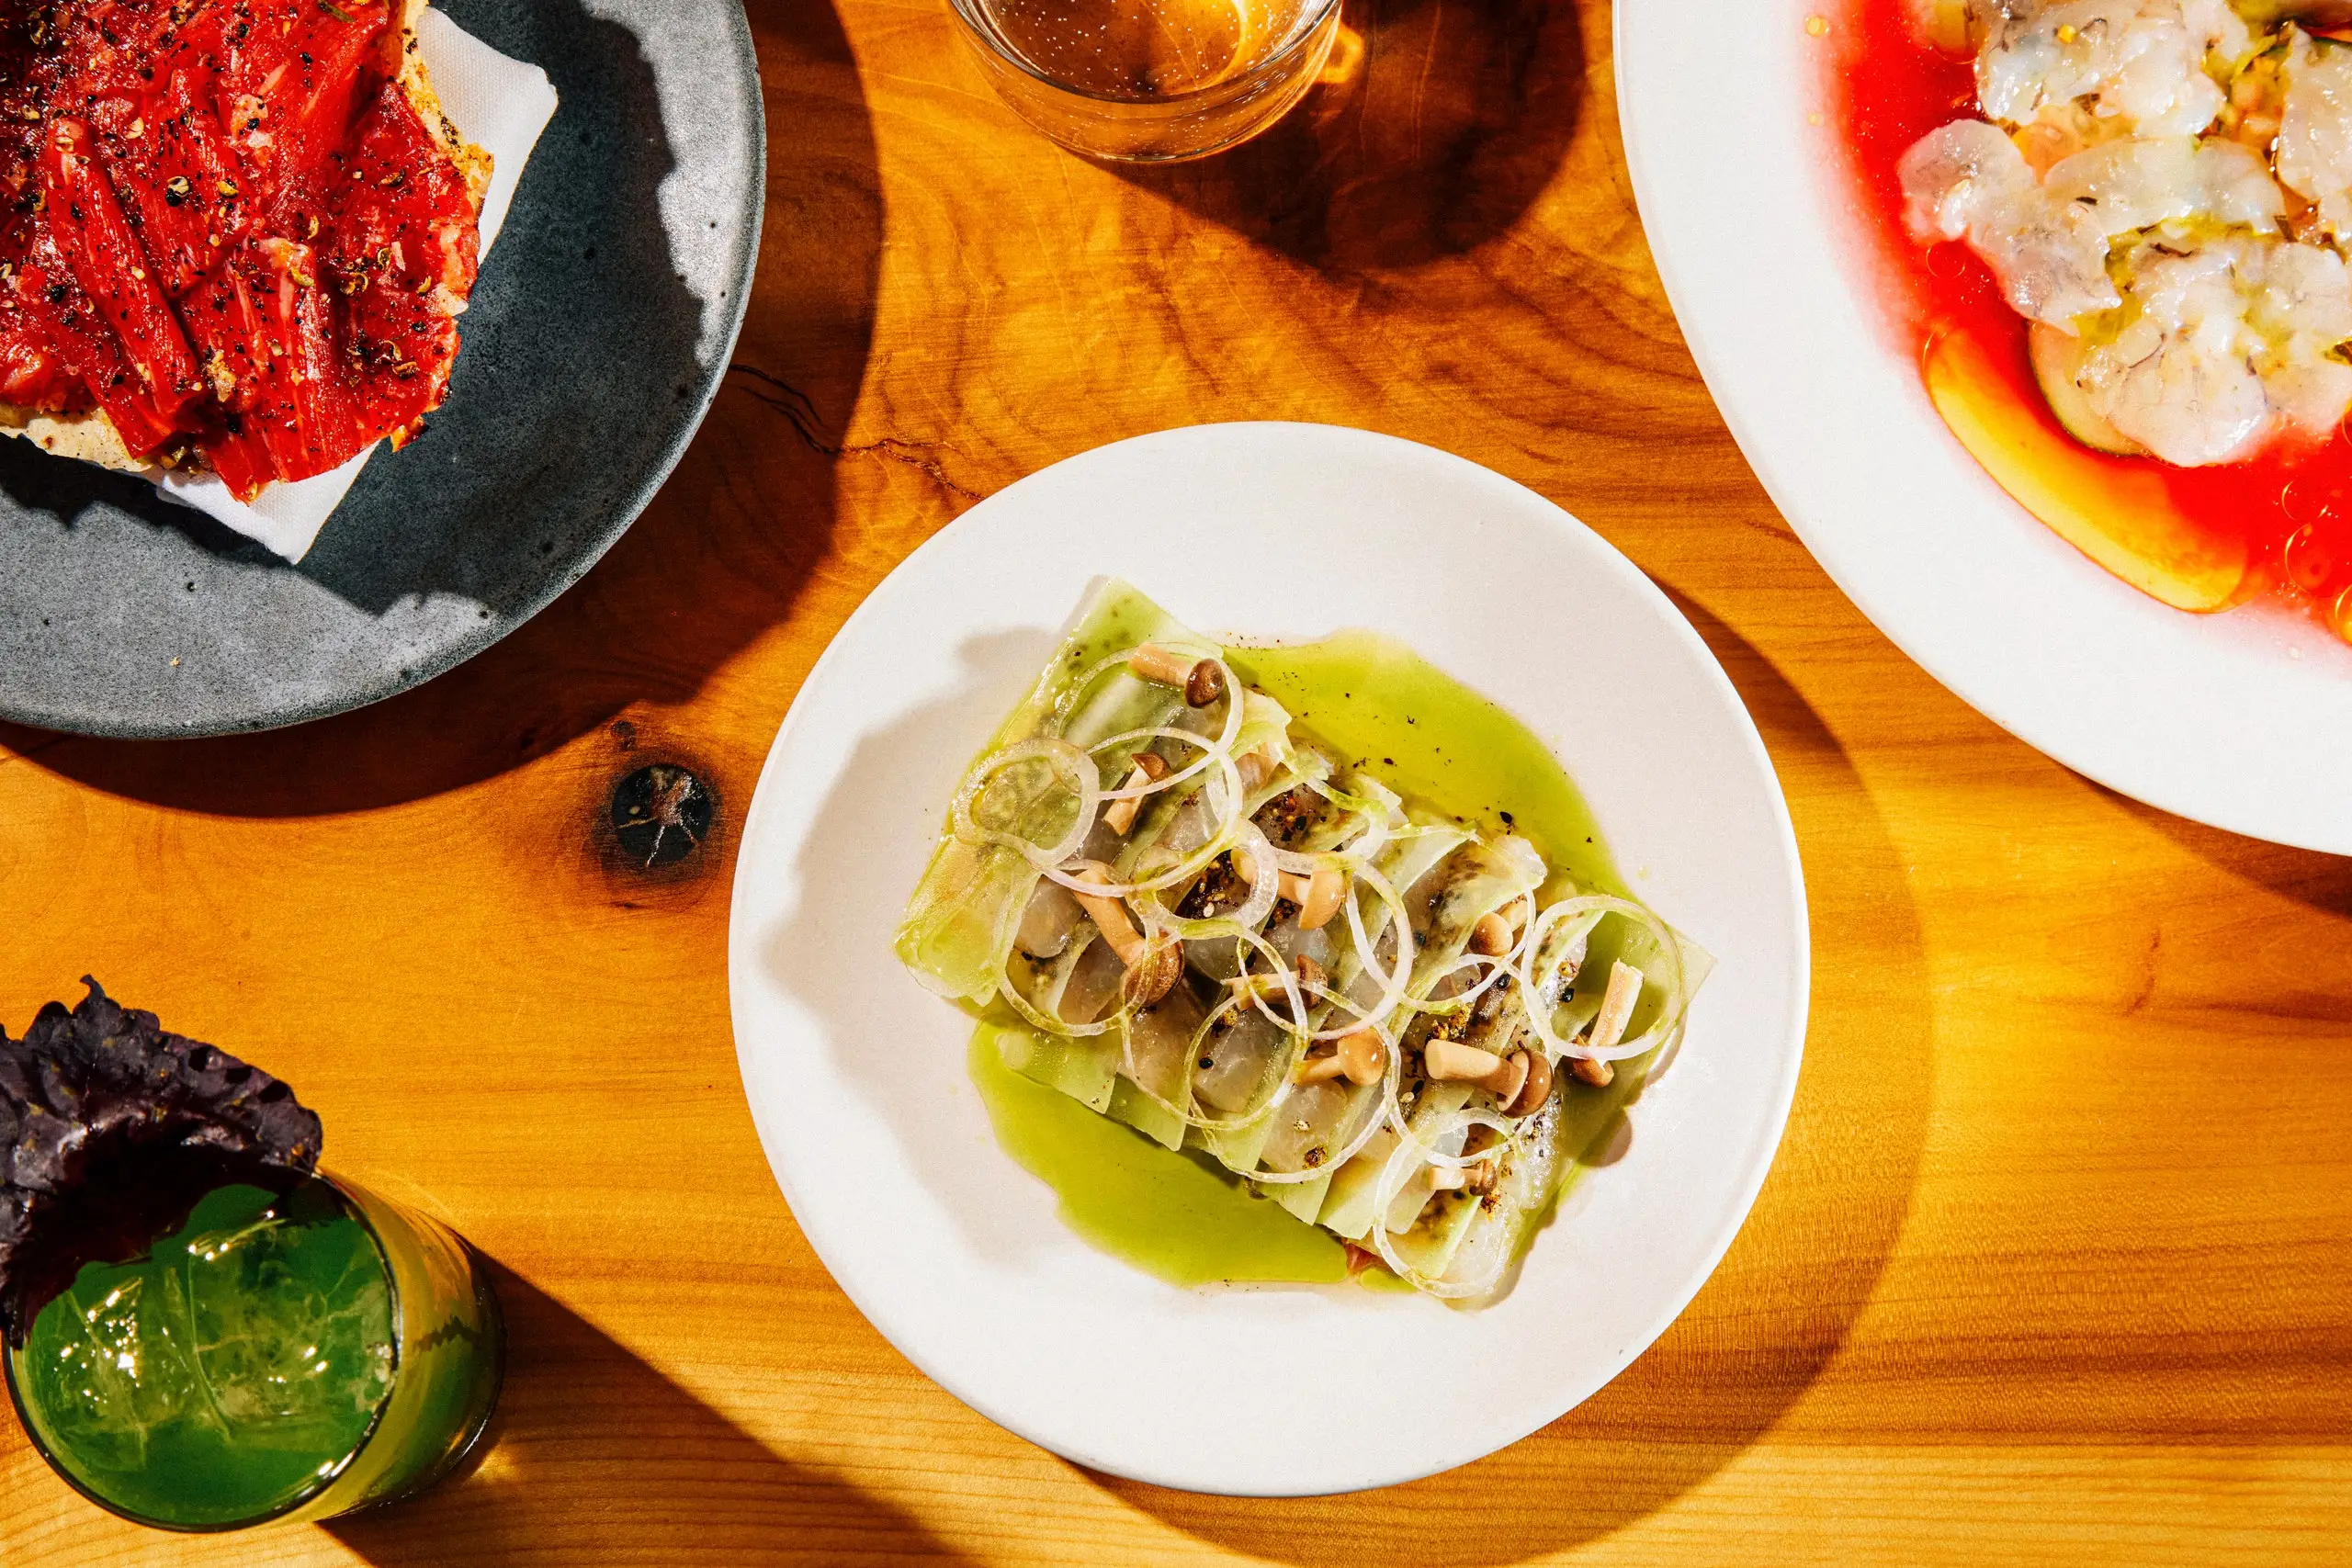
(1201, 680)
(1362, 1056)
(1119, 815)
(1206, 685)
(1491, 937)
(1109, 915)
(1476, 1178)
(1311, 973)
(1149, 661)
(1324, 891)
(1609, 1025)
(1536, 1089)
(1317, 897)
(1450, 1061)
(1616, 1005)
(1318, 1068)
(1154, 974)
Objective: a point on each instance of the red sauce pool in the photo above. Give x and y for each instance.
(2291, 507)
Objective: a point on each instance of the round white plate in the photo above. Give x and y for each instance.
(2242, 720)
(856, 1074)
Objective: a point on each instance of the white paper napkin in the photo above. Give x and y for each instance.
(501, 106)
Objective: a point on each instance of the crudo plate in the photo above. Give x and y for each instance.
(605, 316)
(2242, 720)
(856, 1075)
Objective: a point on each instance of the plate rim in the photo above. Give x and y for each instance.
(504, 624)
(1773, 1127)
(1981, 691)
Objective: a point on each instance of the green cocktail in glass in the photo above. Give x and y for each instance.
(299, 1348)
(199, 1330)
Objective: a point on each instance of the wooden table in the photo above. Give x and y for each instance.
(2053, 1266)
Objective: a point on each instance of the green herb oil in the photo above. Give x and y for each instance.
(1370, 699)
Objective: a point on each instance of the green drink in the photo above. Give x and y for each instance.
(273, 1359)
(199, 1331)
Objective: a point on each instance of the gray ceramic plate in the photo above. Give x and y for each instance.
(597, 338)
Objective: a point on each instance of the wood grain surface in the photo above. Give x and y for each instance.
(2053, 1266)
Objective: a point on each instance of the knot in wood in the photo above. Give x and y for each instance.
(660, 815)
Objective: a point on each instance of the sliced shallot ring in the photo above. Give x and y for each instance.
(1157, 732)
(1051, 1024)
(1189, 1114)
(1246, 917)
(1398, 978)
(1496, 969)
(1404, 1163)
(1184, 871)
(1669, 1016)
(1506, 1130)
(1043, 856)
(1265, 889)
(1293, 988)
(1304, 864)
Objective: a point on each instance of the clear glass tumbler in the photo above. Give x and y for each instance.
(301, 1348)
(1150, 81)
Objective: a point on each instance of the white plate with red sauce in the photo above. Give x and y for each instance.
(1765, 206)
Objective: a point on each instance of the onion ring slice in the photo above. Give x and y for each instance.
(1601, 905)
(1066, 758)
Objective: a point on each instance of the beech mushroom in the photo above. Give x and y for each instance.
(1616, 1005)
(1362, 1056)
(1109, 915)
(1325, 889)
(1318, 1068)
(1450, 1061)
(1206, 685)
(1317, 897)
(1609, 1025)
(1154, 974)
(1476, 1178)
(1152, 968)
(1119, 815)
(1491, 937)
(1537, 1089)
(1201, 680)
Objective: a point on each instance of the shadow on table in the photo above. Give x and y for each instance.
(2323, 881)
(719, 557)
(800, 953)
(1781, 1307)
(600, 1458)
(1434, 140)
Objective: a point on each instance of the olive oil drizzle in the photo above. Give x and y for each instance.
(1387, 712)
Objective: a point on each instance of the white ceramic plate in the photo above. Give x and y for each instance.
(856, 1075)
(2242, 720)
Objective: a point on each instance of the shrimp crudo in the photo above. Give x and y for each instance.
(2163, 189)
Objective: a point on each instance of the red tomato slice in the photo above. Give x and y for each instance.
(242, 236)
(47, 289)
(111, 266)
